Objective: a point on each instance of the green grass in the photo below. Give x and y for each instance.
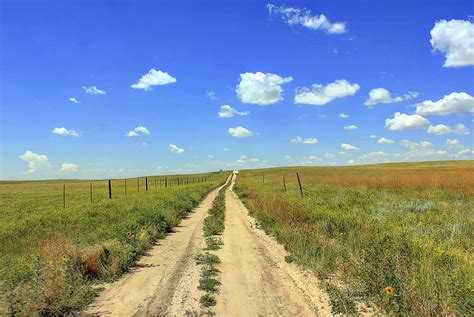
(50, 256)
(361, 234)
(212, 227)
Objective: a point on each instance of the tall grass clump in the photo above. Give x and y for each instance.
(52, 258)
(401, 251)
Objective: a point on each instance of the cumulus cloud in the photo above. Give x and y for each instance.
(240, 132)
(371, 158)
(348, 147)
(176, 149)
(343, 116)
(154, 78)
(455, 39)
(351, 127)
(372, 136)
(65, 132)
(261, 89)
(244, 159)
(228, 112)
(455, 102)
(300, 140)
(421, 150)
(320, 95)
(453, 142)
(465, 154)
(69, 167)
(440, 129)
(402, 122)
(384, 141)
(303, 17)
(92, 90)
(140, 130)
(382, 95)
(73, 100)
(36, 162)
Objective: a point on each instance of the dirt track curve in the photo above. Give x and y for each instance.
(256, 280)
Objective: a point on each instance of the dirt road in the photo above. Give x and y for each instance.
(256, 280)
(165, 282)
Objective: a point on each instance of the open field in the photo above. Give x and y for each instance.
(398, 237)
(50, 255)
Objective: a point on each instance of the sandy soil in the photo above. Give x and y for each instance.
(256, 280)
(165, 282)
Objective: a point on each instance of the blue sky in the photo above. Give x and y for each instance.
(287, 70)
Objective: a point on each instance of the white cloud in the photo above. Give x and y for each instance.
(211, 94)
(176, 149)
(36, 162)
(138, 130)
(244, 159)
(351, 162)
(300, 140)
(413, 145)
(65, 132)
(372, 136)
(343, 116)
(261, 89)
(92, 90)
(226, 149)
(303, 17)
(455, 39)
(348, 147)
(440, 129)
(74, 100)
(228, 112)
(351, 127)
(154, 78)
(384, 141)
(371, 158)
(455, 102)
(465, 154)
(69, 167)
(382, 95)
(402, 122)
(240, 132)
(320, 95)
(453, 142)
(421, 150)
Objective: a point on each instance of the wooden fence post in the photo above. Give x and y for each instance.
(166, 182)
(146, 184)
(284, 184)
(299, 183)
(64, 195)
(110, 189)
(90, 187)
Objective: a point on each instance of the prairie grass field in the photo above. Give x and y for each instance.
(397, 237)
(51, 257)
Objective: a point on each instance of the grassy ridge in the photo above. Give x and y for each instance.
(366, 241)
(51, 257)
(213, 227)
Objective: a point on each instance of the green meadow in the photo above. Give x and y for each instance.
(52, 257)
(388, 238)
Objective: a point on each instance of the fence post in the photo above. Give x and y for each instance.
(125, 187)
(284, 184)
(166, 182)
(110, 189)
(146, 184)
(155, 183)
(64, 195)
(299, 183)
(90, 187)
(178, 181)
(138, 184)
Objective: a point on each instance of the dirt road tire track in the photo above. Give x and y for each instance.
(164, 283)
(256, 279)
